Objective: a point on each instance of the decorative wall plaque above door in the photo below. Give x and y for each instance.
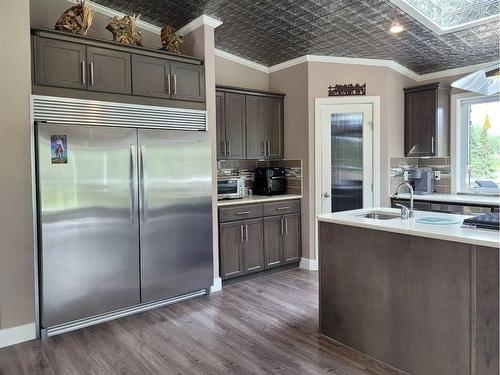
(345, 90)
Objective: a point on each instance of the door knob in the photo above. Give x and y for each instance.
(326, 195)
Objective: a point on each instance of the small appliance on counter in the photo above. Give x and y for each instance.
(485, 221)
(270, 181)
(230, 187)
(423, 181)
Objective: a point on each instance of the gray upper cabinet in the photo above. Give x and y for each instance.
(76, 62)
(109, 70)
(220, 125)
(252, 121)
(427, 120)
(256, 119)
(233, 117)
(188, 81)
(151, 76)
(60, 63)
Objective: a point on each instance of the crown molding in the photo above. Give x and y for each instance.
(197, 22)
(456, 71)
(241, 61)
(114, 13)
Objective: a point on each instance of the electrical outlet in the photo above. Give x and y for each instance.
(405, 175)
(437, 175)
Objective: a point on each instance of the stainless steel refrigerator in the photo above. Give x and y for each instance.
(125, 216)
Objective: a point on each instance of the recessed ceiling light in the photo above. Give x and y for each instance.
(396, 28)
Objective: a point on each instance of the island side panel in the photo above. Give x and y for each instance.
(486, 320)
(401, 299)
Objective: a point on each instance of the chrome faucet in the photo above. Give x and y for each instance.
(406, 213)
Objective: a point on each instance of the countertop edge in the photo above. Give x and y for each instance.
(257, 199)
(451, 198)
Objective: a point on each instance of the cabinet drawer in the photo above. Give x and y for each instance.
(280, 208)
(243, 212)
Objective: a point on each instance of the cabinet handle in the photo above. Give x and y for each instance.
(432, 145)
(244, 213)
(286, 225)
(241, 233)
(175, 84)
(91, 74)
(283, 208)
(229, 148)
(246, 232)
(268, 148)
(223, 147)
(282, 225)
(168, 83)
(264, 148)
(84, 72)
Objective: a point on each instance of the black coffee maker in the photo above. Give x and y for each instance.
(270, 181)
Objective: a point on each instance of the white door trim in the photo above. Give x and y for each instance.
(318, 137)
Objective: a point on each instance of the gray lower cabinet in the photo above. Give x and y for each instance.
(241, 250)
(60, 63)
(255, 237)
(109, 71)
(151, 76)
(188, 81)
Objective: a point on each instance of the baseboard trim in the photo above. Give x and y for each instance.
(217, 286)
(309, 264)
(16, 335)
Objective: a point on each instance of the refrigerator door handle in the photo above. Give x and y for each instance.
(133, 182)
(144, 182)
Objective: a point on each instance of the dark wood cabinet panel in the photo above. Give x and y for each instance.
(234, 105)
(188, 81)
(220, 125)
(109, 70)
(426, 120)
(253, 257)
(151, 76)
(273, 241)
(275, 128)
(60, 63)
(291, 238)
(256, 129)
(231, 249)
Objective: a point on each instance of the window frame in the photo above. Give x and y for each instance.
(459, 138)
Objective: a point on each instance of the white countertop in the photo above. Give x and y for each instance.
(257, 199)
(448, 232)
(453, 198)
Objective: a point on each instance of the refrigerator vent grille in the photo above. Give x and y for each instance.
(90, 112)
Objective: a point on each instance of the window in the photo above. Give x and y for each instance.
(478, 140)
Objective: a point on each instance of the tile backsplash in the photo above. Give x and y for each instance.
(246, 168)
(442, 164)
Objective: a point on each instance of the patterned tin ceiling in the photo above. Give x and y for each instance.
(270, 32)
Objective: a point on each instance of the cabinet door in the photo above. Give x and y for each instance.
(188, 81)
(234, 109)
(273, 241)
(256, 120)
(291, 238)
(59, 63)
(274, 131)
(220, 125)
(253, 257)
(231, 249)
(109, 71)
(420, 123)
(150, 76)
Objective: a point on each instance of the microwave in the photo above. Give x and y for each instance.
(230, 187)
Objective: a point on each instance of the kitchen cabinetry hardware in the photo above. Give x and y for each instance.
(282, 226)
(432, 145)
(175, 84)
(286, 225)
(91, 67)
(246, 232)
(229, 148)
(84, 72)
(168, 84)
(244, 213)
(283, 208)
(242, 233)
(223, 147)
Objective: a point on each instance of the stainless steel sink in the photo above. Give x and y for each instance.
(379, 215)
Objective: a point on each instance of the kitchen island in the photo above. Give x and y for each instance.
(422, 298)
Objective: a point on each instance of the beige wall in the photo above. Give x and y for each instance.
(201, 43)
(303, 84)
(16, 242)
(230, 73)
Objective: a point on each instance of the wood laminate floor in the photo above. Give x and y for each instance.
(267, 325)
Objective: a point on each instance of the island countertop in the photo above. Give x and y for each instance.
(446, 232)
(466, 199)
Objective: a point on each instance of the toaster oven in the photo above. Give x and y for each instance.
(230, 187)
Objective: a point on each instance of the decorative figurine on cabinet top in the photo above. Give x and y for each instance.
(124, 30)
(75, 19)
(170, 41)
